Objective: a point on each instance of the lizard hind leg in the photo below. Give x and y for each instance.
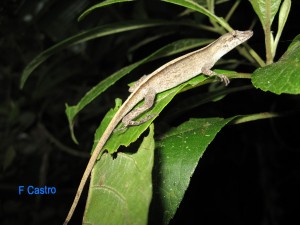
(128, 120)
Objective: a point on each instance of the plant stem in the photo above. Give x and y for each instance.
(268, 36)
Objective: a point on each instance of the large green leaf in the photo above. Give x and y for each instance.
(100, 5)
(121, 188)
(170, 49)
(282, 76)
(90, 34)
(266, 11)
(179, 151)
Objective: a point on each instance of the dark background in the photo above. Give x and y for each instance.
(250, 174)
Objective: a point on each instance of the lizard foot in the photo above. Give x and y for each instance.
(121, 129)
(141, 121)
(224, 79)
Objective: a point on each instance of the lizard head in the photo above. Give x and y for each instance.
(235, 38)
(227, 42)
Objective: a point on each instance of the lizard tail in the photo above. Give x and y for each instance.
(97, 151)
(84, 178)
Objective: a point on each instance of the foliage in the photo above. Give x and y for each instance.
(121, 40)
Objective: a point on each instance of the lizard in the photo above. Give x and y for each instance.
(169, 75)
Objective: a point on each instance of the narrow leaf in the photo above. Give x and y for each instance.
(195, 6)
(282, 18)
(90, 34)
(99, 5)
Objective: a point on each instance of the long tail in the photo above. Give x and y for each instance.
(131, 101)
(98, 149)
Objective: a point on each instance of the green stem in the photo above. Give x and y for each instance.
(231, 11)
(267, 31)
(254, 117)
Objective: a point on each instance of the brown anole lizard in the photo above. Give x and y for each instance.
(164, 78)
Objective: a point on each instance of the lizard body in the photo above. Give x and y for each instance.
(169, 75)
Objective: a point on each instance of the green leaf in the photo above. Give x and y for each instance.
(132, 133)
(170, 49)
(87, 35)
(179, 151)
(266, 11)
(99, 5)
(121, 188)
(195, 6)
(282, 18)
(255, 117)
(283, 14)
(282, 76)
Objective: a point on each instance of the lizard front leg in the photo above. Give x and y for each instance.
(149, 98)
(137, 84)
(210, 73)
